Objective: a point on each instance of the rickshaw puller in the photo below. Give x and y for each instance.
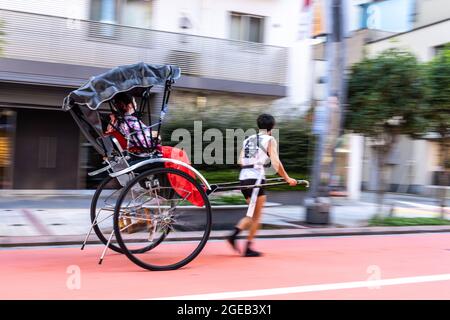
(257, 150)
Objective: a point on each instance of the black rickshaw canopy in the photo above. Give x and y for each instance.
(105, 86)
(136, 79)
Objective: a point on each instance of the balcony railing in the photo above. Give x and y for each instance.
(80, 42)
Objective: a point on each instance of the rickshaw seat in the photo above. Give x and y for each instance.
(120, 138)
(182, 187)
(123, 142)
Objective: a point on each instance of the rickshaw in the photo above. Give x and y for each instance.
(152, 206)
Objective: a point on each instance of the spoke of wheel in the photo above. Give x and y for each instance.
(157, 200)
(152, 235)
(179, 201)
(110, 196)
(96, 222)
(137, 198)
(125, 228)
(106, 209)
(139, 218)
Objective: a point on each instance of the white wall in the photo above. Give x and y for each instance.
(416, 161)
(420, 42)
(211, 17)
(355, 165)
(430, 11)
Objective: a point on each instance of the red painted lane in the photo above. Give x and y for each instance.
(42, 273)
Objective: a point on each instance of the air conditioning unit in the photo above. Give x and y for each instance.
(188, 61)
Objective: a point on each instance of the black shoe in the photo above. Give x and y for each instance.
(252, 253)
(232, 241)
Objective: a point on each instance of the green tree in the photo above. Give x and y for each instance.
(385, 100)
(437, 112)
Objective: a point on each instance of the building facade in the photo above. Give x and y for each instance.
(413, 164)
(418, 26)
(238, 51)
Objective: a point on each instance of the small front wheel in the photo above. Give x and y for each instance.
(160, 202)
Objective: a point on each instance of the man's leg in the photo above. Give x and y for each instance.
(243, 224)
(249, 252)
(256, 217)
(253, 224)
(255, 202)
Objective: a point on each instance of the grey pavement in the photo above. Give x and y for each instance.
(65, 215)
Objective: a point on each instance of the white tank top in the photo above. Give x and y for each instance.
(255, 154)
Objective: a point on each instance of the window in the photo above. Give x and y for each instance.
(104, 11)
(136, 13)
(247, 27)
(439, 49)
(7, 131)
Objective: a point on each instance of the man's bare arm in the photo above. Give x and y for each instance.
(276, 162)
(240, 157)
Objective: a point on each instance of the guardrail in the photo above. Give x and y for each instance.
(81, 42)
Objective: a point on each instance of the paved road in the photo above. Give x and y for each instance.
(400, 267)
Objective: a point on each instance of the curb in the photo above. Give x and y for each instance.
(220, 235)
(46, 192)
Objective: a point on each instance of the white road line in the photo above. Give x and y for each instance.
(308, 288)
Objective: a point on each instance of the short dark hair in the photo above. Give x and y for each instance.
(123, 99)
(265, 121)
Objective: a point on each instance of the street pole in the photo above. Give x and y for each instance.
(318, 211)
(341, 84)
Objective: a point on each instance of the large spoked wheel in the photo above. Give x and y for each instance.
(164, 208)
(102, 212)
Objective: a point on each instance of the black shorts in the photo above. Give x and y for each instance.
(247, 192)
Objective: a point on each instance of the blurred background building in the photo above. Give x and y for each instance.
(239, 53)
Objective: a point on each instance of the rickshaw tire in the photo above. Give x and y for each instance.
(100, 234)
(199, 248)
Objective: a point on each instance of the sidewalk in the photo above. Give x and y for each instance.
(63, 217)
(26, 241)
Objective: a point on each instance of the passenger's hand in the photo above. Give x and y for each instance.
(292, 182)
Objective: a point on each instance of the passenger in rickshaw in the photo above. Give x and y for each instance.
(131, 132)
(136, 137)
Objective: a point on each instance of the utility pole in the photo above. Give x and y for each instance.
(340, 83)
(318, 204)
